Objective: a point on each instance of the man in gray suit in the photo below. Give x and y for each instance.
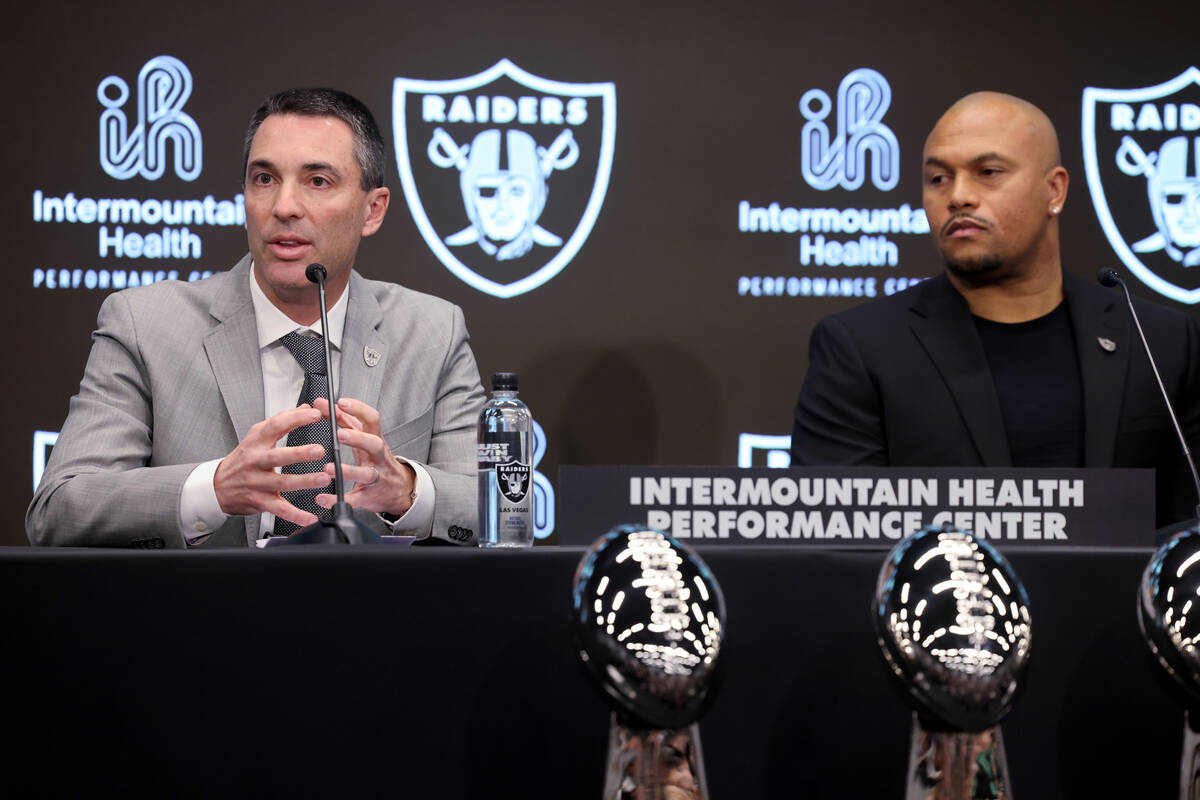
(180, 427)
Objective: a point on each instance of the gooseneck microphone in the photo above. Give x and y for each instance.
(1109, 277)
(343, 528)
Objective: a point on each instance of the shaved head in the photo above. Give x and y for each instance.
(1037, 126)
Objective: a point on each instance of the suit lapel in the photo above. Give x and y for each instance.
(943, 325)
(1096, 315)
(364, 352)
(232, 348)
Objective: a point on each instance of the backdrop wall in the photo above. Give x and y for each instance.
(704, 204)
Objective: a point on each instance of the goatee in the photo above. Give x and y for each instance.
(981, 269)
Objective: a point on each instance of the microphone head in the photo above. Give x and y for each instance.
(1107, 277)
(315, 273)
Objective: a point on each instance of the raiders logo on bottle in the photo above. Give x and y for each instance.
(513, 480)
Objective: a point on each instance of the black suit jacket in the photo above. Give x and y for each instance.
(903, 381)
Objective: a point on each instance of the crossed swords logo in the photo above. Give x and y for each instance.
(503, 203)
(1174, 198)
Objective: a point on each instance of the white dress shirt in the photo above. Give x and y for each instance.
(199, 511)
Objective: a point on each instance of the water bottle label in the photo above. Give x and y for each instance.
(512, 479)
(498, 447)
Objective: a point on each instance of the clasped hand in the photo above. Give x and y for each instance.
(246, 480)
(382, 482)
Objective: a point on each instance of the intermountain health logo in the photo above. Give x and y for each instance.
(138, 146)
(839, 158)
(142, 237)
(504, 172)
(1141, 150)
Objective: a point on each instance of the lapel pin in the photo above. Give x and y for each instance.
(371, 355)
(1107, 345)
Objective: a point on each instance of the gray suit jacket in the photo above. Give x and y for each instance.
(903, 381)
(174, 379)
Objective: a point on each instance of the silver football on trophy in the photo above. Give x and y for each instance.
(952, 621)
(648, 620)
(1169, 610)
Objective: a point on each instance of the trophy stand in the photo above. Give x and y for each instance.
(1189, 761)
(654, 763)
(951, 765)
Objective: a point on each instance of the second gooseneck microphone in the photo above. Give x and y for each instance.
(1109, 277)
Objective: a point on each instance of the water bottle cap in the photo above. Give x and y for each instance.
(504, 381)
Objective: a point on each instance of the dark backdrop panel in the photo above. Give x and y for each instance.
(646, 324)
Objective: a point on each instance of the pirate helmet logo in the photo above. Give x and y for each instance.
(1151, 136)
(513, 480)
(1174, 195)
(511, 137)
(504, 187)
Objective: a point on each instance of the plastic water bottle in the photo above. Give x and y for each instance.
(505, 467)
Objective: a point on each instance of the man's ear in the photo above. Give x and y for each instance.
(377, 206)
(1057, 181)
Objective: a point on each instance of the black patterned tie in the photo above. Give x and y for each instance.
(310, 352)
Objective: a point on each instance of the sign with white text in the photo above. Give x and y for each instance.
(859, 506)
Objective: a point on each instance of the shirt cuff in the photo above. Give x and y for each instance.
(199, 510)
(419, 517)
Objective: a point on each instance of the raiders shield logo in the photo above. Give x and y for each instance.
(513, 480)
(1141, 150)
(504, 172)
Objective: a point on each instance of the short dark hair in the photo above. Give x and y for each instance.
(368, 143)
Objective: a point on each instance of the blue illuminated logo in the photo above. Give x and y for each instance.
(43, 443)
(864, 96)
(1141, 153)
(764, 450)
(164, 85)
(543, 492)
(504, 172)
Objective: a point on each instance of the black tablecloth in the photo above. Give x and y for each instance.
(449, 673)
